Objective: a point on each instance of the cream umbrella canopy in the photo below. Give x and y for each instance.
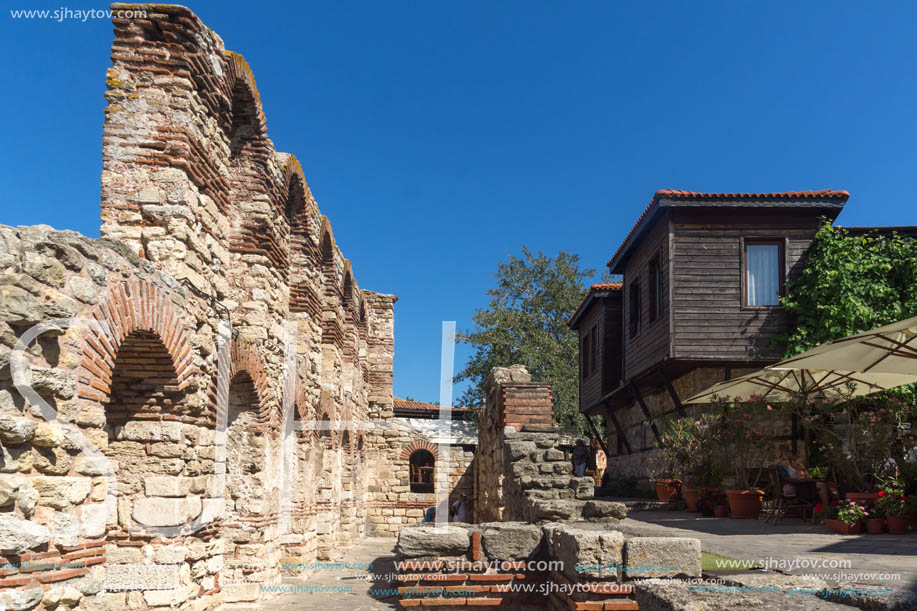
(782, 385)
(888, 349)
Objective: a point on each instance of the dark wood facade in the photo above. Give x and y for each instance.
(683, 302)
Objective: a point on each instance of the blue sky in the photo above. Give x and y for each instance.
(439, 137)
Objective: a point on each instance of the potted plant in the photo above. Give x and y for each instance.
(875, 520)
(713, 504)
(826, 513)
(850, 518)
(746, 448)
(689, 445)
(910, 510)
(668, 488)
(665, 477)
(893, 502)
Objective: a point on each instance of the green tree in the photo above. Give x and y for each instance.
(850, 284)
(526, 322)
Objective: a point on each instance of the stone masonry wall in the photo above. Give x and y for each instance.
(522, 471)
(582, 565)
(392, 504)
(202, 222)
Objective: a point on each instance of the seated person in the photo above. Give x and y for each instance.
(793, 473)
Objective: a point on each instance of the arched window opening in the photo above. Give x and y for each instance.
(244, 449)
(149, 452)
(348, 292)
(325, 431)
(422, 465)
(296, 202)
(245, 125)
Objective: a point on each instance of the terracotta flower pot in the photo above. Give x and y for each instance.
(691, 495)
(913, 521)
(897, 525)
(842, 528)
(667, 489)
(721, 511)
(745, 504)
(875, 526)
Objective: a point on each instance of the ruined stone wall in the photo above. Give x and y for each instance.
(524, 466)
(203, 222)
(391, 502)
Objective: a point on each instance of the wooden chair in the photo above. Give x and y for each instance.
(783, 503)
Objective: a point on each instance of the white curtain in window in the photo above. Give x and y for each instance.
(762, 274)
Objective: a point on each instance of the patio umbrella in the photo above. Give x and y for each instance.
(888, 349)
(782, 385)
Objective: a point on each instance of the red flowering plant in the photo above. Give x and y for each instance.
(829, 511)
(850, 512)
(892, 500)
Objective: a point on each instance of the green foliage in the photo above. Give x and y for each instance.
(526, 322)
(850, 512)
(690, 448)
(745, 444)
(892, 500)
(851, 284)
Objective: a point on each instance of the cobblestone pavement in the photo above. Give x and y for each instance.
(880, 556)
(378, 552)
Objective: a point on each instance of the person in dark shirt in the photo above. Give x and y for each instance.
(580, 458)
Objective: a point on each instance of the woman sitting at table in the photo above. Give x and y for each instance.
(793, 473)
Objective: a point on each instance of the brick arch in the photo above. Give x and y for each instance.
(295, 191)
(304, 252)
(246, 119)
(326, 410)
(419, 444)
(127, 307)
(246, 358)
(332, 327)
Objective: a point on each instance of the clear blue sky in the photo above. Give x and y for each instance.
(441, 136)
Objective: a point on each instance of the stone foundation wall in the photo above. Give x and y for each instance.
(203, 223)
(552, 565)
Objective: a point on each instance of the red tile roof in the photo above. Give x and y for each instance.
(420, 406)
(595, 288)
(679, 195)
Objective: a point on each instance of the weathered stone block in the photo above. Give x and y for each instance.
(18, 536)
(140, 577)
(166, 511)
(426, 540)
(21, 600)
(511, 540)
(61, 492)
(15, 430)
(662, 557)
(553, 510)
(604, 510)
(168, 486)
(589, 553)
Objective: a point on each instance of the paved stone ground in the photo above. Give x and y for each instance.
(379, 552)
(790, 540)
